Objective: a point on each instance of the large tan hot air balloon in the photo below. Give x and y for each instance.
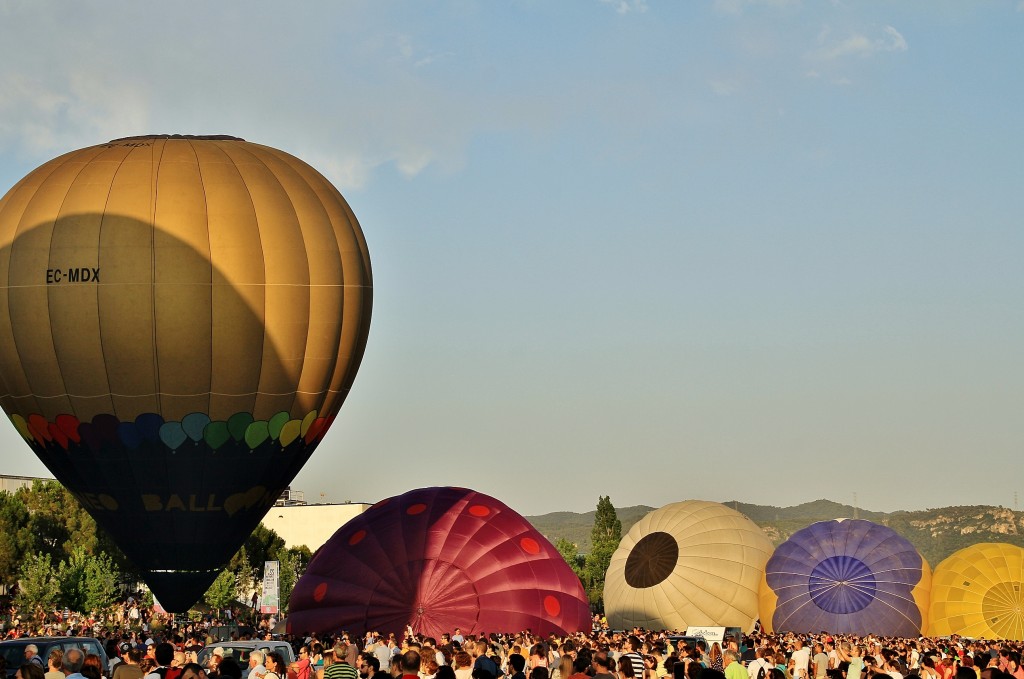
(180, 320)
(688, 563)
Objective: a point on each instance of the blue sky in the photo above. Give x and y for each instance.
(757, 250)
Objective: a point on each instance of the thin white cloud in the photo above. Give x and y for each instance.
(897, 43)
(373, 105)
(627, 6)
(724, 88)
(44, 115)
(860, 45)
(407, 51)
(405, 48)
(737, 7)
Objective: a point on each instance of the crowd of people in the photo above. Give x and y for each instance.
(127, 615)
(602, 654)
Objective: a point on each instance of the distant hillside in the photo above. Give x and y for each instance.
(576, 527)
(936, 533)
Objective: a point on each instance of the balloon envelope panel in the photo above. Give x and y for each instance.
(849, 576)
(437, 559)
(977, 592)
(180, 321)
(688, 563)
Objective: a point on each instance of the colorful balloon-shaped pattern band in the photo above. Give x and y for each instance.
(66, 430)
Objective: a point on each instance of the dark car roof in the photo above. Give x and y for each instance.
(44, 642)
(36, 640)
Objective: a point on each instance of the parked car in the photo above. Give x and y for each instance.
(13, 650)
(240, 650)
(224, 632)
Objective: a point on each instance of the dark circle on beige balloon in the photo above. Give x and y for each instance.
(651, 560)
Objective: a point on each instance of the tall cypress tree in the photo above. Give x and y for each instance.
(604, 540)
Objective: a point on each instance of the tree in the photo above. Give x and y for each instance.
(15, 537)
(37, 584)
(263, 545)
(46, 518)
(293, 565)
(71, 576)
(87, 582)
(245, 576)
(101, 583)
(604, 539)
(571, 553)
(222, 592)
(58, 523)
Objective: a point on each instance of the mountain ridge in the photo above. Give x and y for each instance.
(936, 533)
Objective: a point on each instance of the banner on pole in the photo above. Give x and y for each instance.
(271, 586)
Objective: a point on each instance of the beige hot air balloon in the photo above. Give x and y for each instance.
(688, 563)
(180, 320)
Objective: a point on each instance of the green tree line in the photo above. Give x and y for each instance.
(53, 555)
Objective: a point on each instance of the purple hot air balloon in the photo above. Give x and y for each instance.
(846, 577)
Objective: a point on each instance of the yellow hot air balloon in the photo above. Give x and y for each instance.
(688, 563)
(180, 320)
(978, 591)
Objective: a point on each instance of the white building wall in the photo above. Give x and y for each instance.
(13, 483)
(310, 525)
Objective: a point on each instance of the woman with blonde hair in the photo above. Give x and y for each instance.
(563, 670)
(715, 661)
(328, 661)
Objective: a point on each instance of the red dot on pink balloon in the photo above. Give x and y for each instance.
(479, 510)
(357, 537)
(551, 605)
(530, 546)
(320, 592)
(415, 509)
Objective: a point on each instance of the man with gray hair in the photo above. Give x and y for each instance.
(71, 663)
(341, 669)
(32, 655)
(733, 666)
(256, 667)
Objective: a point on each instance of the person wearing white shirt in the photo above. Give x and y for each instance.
(760, 662)
(801, 660)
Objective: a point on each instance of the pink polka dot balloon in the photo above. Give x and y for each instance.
(436, 559)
